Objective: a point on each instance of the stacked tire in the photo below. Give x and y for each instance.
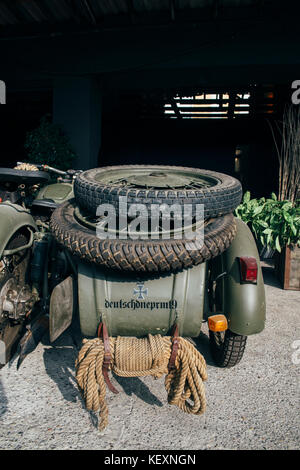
(74, 225)
(148, 185)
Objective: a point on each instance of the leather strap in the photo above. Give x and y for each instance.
(107, 356)
(174, 350)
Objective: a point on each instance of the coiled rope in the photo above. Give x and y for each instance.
(133, 357)
(26, 167)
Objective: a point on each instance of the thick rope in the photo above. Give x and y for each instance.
(26, 167)
(133, 357)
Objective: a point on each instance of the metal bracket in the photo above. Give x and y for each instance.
(219, 276)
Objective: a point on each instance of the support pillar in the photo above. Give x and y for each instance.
(77, 107)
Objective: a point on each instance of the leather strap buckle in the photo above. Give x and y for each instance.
(174, 350)
(102, 331)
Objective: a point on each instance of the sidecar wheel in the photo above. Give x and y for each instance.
(227, 348)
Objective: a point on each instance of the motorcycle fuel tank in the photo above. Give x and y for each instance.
(58, 192)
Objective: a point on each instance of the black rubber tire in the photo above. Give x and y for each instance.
(218, 200)
(227, 348)
(139, 255)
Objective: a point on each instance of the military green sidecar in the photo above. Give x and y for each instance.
(56, 269)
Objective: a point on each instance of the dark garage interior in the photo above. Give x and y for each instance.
(150, 227)
(185, 82)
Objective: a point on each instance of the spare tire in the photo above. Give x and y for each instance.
(154, 184)
(139, 255)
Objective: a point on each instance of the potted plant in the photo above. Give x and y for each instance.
(276, 225)
(48, 144)
(287, 143)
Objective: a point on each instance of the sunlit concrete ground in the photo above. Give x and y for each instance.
(252, 406)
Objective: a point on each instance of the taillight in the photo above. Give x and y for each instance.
(248, 269)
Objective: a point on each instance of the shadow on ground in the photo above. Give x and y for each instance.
(59, 359)
(134, 386)
(202, 344)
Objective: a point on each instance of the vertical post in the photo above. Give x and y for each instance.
(2, 92)
(77, 109)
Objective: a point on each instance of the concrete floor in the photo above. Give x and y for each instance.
(252, 406)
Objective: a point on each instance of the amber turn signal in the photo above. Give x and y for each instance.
(217, 323)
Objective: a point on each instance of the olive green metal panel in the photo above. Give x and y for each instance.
(243, 304)
(12, 218)
(61, 307)
(131, 306)
(58, 192)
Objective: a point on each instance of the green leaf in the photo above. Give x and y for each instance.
(287, 217)
(262, 223)
(273, 196)
(293, 228)
(277, 244)
(257, 210)
(269, 238)
(246, 196)
(287, 206)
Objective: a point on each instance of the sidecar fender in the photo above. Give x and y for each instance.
(13, 218)
(243, 304)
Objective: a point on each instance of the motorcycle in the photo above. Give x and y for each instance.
(54, 271)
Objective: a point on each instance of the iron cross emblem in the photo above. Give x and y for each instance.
(140, 291)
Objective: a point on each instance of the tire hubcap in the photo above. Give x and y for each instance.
(156, 179)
